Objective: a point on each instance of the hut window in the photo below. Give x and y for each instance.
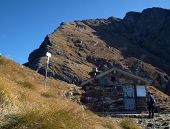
(113, 78)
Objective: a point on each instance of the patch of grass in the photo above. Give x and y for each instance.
(3, 61)
(128, 123)
(67, 118)
(22, 97)
(4, 98)
(48, 94)
(58, 119)
(109, 124)
(27, 84)
(21, 74)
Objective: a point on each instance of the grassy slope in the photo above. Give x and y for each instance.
(24, 103)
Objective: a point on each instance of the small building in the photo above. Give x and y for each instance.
(115, 91)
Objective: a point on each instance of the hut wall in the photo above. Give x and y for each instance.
(108, 94)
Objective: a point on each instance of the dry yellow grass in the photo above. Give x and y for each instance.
(128, 123)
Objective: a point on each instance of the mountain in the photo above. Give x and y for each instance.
(138, 43)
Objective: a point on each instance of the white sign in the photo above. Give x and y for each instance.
(141, 91)
(48, 54)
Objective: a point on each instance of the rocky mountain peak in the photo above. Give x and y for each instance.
(155, 12)
(79, 46)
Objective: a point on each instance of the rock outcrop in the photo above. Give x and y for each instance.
(138, 43)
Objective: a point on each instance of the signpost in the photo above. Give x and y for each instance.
(48, 55)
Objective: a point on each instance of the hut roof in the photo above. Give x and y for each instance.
(148, 81)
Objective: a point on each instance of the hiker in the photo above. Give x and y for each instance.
(151, 104)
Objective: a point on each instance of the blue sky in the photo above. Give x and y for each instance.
(25, 23)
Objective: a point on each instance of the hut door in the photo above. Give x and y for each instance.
(129, 98)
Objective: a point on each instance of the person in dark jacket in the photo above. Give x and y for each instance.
(150, 103)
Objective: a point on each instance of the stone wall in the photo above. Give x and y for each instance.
(114, 93)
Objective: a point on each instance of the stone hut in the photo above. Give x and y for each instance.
(115, 91)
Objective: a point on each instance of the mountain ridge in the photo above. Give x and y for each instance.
(79, 46)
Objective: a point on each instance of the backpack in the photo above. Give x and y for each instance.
(152, 100)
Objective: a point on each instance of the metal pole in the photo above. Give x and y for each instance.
(47, 62)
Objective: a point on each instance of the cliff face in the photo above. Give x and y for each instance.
(79, 46)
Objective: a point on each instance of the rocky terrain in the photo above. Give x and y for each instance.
(138, 43)
(161, 121)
